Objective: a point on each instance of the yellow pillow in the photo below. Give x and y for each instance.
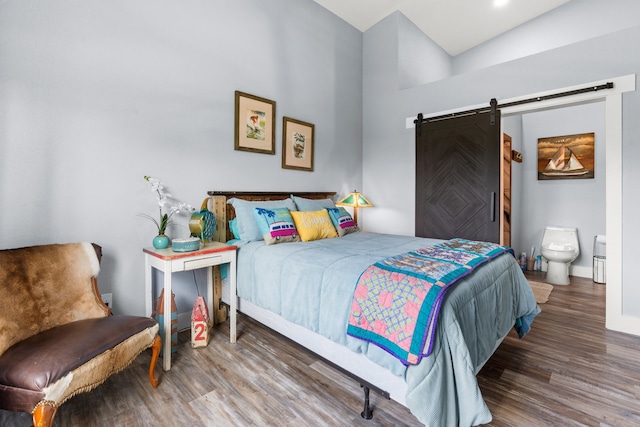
(313, 225)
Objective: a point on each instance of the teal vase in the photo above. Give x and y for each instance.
(161, 241)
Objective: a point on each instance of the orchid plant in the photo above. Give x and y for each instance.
(165, 206)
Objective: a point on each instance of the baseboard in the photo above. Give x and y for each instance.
(622, 323)
(576, 270)
(581, 271)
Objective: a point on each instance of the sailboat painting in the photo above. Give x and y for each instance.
(566, 157)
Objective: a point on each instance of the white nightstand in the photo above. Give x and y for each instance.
(168, 261)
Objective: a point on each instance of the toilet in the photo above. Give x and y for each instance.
(560, 248)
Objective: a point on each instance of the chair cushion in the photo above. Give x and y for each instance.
(42, 359)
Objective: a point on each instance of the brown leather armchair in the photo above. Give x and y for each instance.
(57, 338)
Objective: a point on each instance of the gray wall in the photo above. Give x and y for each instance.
(94, 95)
(389, 147)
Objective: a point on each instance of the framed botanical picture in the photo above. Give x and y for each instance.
(255, 124)
(297, 144)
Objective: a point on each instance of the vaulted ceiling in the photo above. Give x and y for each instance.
(455, 25)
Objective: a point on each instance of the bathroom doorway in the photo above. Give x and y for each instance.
(568, 203)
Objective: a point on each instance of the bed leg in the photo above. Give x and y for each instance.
(367, 413)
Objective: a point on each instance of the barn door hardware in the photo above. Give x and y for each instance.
(418, 123)
(494, 106)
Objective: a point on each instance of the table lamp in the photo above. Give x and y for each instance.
(355, 200)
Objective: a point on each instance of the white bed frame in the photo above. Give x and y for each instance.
(356, 365)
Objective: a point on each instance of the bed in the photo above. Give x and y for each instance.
(304, 290)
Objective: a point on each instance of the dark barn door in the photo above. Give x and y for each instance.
(458, 178)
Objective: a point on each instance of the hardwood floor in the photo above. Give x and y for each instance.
(568, 371)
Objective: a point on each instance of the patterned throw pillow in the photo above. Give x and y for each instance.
(342, 221)
(276, 225)
(247, 226)
(314, 225)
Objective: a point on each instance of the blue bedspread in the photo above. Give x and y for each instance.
(312, 284)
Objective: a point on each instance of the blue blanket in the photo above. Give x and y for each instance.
(397, 300)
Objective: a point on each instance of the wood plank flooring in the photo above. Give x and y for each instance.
(568, 371)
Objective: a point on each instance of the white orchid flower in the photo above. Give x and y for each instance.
(163, 197)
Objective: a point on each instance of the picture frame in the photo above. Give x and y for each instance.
(297, 144)
(566, 157)
(255, 124)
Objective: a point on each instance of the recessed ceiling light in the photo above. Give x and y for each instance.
(500, 3)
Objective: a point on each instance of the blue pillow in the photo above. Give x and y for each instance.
(312, 204)
(276, 225)
(247, 226)
(342, 221)
(233, 226)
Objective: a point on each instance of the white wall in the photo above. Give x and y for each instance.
(94, 95)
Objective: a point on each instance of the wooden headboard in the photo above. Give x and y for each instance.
(224, 212)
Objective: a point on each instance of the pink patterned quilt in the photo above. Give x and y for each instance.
(397, 300)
